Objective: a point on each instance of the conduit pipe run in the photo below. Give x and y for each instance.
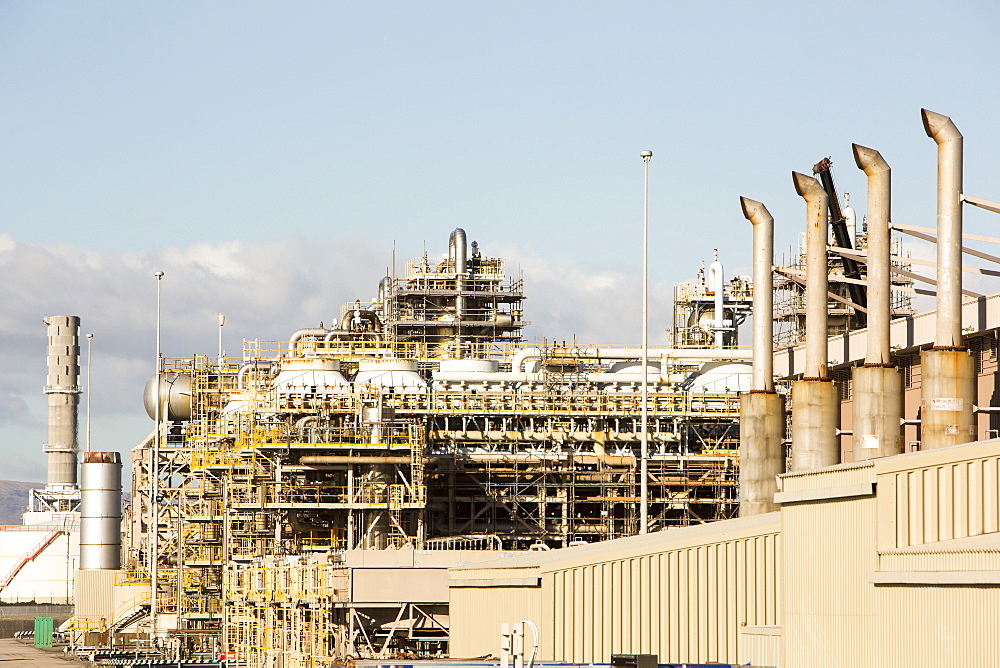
(816, 406)
(949, 385)
(877, 407)
(762, 410)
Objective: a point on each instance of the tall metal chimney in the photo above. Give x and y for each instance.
(877, 408)
(815, 402)
(949, 380)
(63, 394)
(762, 410)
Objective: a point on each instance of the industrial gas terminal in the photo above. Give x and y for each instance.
(417, 483)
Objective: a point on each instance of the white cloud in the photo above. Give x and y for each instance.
(266, 291)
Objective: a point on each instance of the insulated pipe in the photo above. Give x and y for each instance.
(716, 280)
(300, 334)
(458, 250)
(62, 392)
(634, 354)
(877, 407)
(352, 459)
(242, 373)
(949, 228)
(817, 282)
(763, 293)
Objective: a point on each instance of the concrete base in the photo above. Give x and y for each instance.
(949, 394)
(762, 452)
(876, 412)
(815, 418)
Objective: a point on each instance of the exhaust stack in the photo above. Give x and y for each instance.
(762, 410)
(949, 385)
(62, 391)
(877, 409)
(816, 405)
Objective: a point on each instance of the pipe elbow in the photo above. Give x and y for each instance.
(869, 160)
(939, 127)
(458, 249)
(755, 212)
(809, 188)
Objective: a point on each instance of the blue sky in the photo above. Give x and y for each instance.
(266, 156)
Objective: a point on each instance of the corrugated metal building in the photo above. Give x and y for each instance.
(893, 561)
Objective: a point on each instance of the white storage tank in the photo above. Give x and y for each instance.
(399, 374)
(101, 511)
(310, 375)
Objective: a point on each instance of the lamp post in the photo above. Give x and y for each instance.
(154, 475)
(90, 339)
(644, 446)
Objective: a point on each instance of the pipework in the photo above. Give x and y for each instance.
(817, 282)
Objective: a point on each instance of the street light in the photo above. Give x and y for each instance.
(644, 447)
(90, 339)
(154, 475)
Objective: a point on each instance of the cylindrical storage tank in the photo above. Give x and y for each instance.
(876, 410)
(399, 374)
(310, 374)
(815, 418)
(470, 366)
(175, 397)
(948, 389)
(62, 394)
(762, 451)
(101, 511)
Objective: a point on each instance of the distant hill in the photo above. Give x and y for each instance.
(14, 499)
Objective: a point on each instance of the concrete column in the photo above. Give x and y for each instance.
(762, 455)
(63, 396)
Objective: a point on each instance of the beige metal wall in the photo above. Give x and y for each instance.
(939, 496)
(830, 606)
(686, 604)
(682, 594)
(476, 613)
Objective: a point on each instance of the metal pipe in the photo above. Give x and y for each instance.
(154, 478)
(242, 373)
(352, 459)
(644, 447)
(817, 281)
(62, 394)
(702, 354)
(458, 251)
(716, 280)
(763, 293)
(814, 398)
(879, 215)
(877, 407)
(762, 410)
(949, 222)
